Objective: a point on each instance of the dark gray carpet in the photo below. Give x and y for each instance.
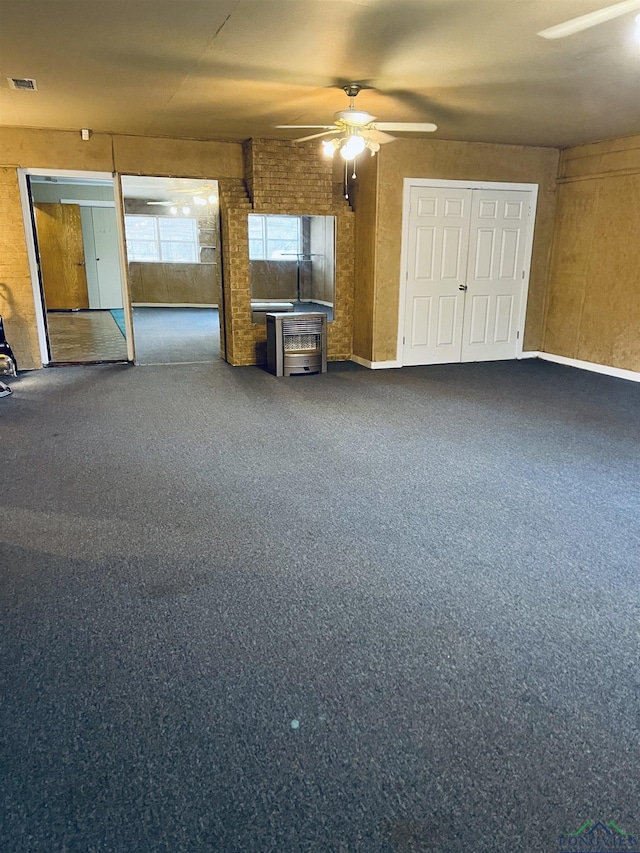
(433, 571)
(176, 335)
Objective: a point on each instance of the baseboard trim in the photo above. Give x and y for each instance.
(617, 372)
(606, 370)
(374, 365)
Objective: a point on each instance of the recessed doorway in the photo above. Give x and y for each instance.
(79, 271)
(172, 233)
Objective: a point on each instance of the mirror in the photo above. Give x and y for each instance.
(291, 264)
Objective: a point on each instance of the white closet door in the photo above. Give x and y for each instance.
(495, 273)
(437, 266)
(107, 258)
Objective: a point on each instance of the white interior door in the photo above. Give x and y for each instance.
(436, 274)
(107, 258)
(466, 254)
(91, 267)
(495, 273)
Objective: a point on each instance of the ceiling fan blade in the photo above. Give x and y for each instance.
(318, 135)
(303, 126)
(378, 136)
(584, 22)
(162, 203)
(407, 126)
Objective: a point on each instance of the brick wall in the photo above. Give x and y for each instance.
(16, 293)
(283, 178)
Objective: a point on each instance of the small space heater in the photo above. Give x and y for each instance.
(296, 343)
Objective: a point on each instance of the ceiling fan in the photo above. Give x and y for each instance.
(355, 130)
(591, 19)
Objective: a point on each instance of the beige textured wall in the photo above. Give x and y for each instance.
(593, 306)
(185, 158)
(16, 294)
(273, 279)
(365, 192)
(173, 284)
(146, 155)
(421, 158)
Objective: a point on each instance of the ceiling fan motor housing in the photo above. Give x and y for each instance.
(356, 118)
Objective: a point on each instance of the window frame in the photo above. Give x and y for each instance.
(159, 241)
(264, 219)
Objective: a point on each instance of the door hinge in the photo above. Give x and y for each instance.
(522, 273)
(529, 214)
(518, 335)
(403, 341)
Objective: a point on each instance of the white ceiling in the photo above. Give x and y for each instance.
(231, 69)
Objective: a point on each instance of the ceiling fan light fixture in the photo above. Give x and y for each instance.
(352, 146)
(330, 146)
(173, 210)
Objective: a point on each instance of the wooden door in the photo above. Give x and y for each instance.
(62, 263)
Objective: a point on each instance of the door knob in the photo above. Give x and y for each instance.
(462, 287)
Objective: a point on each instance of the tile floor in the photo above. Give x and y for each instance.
(81, 336)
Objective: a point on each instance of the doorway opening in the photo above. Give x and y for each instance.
(77, 254)
(172, 233)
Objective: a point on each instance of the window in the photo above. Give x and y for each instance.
(274, 237)
(161, 238)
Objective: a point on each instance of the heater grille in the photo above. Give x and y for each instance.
(302, 326)
(297, 343)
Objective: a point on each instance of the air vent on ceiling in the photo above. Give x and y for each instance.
(25, 84)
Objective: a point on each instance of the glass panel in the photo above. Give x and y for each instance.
(297, 270)
(141, 250)
(179, 252)
(256, 249)
(140, 227)
(283, 228)
(177, 229)
(255, 226)
(286, 250)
